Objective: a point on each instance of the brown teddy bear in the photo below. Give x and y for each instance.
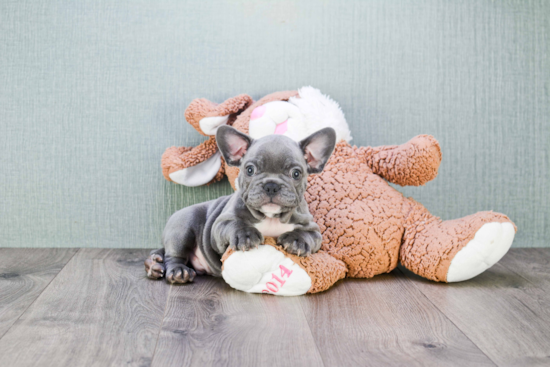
(367, 226)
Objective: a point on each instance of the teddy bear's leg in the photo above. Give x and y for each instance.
(269, 269)
(454, 250)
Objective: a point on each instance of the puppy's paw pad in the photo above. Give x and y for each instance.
(491, 242)
(265, 270)
(180, 274)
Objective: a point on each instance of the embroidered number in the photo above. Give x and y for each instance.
(272, 286)
(285, 271)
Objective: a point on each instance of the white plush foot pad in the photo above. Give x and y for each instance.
(490, 244)
(265, 270)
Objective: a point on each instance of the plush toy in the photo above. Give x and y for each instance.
(368, 227)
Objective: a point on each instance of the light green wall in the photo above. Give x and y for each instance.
(91, 93)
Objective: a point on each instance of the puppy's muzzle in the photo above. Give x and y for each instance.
(272, 189)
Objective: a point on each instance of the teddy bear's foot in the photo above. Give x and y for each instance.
(270, 269)
(454, 250)
(265, 270)
(490, 243)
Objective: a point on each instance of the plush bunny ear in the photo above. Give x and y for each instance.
(209, 125)
(318, 148)
(193, 166)
(206, 116)
(233, 144)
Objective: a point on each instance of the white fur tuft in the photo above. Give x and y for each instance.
(321, 111)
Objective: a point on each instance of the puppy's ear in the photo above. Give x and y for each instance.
(233, 144)
(317, 149)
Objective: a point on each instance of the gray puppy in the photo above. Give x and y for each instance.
(269, 202)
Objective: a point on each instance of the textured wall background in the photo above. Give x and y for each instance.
(91, 93)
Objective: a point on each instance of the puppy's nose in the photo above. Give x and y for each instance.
(271, 188)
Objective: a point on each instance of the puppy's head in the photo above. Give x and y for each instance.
(274, 169)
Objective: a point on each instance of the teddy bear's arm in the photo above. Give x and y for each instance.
(411, 164)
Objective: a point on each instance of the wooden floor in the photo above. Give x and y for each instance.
(68, 307)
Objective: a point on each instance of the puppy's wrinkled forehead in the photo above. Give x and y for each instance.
(275, 153)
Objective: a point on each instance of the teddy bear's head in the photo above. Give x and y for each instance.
(296, 114)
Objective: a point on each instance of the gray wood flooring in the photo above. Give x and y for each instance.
(94, 307)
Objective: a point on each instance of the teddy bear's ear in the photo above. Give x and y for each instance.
(206, 116)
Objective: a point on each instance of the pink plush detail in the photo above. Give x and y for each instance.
(281, 128)
(258, 112)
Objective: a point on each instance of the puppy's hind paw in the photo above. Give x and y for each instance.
(180, 274)
(154, 264)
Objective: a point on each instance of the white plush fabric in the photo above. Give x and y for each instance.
(265, 270)
(209, 125)
(276, 113)
(309, 113)
(321, 111)
(490, 244)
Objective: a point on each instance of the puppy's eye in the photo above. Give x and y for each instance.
(250, 170)
(296, 174)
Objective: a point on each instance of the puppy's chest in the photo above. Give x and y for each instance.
(272, 227)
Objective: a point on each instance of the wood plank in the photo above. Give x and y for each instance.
(99, 310)
(532, 264)
(24, 273)
(385, 321)
(505, 315)
(210, 324)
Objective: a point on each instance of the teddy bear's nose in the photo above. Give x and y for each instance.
(272, 188)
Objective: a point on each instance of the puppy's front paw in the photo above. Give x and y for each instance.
(298, 243)
(246, 239)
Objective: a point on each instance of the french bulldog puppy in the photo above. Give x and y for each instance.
(269, 202)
